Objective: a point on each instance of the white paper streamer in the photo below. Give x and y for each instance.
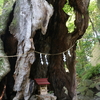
(69, 53)
(41, 59)
(64, 57)
(46, 59)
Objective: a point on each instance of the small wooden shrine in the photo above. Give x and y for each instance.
(42, 83)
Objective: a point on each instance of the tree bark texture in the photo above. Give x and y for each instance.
(27, 29)
(58, 39)
(23, 26)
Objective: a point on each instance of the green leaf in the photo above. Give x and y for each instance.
(98, 94)
(82, 89)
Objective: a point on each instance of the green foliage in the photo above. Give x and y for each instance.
(87, 42)
(7, 7)
(70, 22)
(92, 85)
(98, 4)
(98, 94)
(88, 88)
(94, 12)
(1, 2)
(51, 92)
(1, 5)
(82, 89)
(83, 52)
(93, 71)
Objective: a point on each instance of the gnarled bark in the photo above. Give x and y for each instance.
(57, 39)
(24, 25)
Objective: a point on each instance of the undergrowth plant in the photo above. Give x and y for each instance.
(92, 72)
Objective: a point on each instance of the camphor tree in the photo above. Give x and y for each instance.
(40, 25)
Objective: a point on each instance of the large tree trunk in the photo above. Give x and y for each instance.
(58, 40)
(26, 36)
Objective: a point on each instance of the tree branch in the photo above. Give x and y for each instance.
(94, 30)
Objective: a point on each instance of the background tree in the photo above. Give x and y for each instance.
(86, 44)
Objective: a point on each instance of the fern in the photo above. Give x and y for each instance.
(95, 70)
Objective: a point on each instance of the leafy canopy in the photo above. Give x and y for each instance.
(1, 5)
(70, 11)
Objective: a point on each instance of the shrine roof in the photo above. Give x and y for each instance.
(41, 81)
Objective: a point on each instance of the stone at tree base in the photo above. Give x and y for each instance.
(43, 97)
(46, 97)
(33, 97)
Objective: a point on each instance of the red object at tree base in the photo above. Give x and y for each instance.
(42, 81)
